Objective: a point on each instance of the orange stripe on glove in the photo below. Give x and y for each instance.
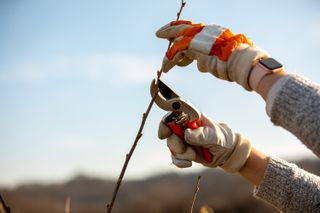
(183, 44)
(226, 43)
(174, 23)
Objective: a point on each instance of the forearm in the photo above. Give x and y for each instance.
(255, 167)
(282, 184)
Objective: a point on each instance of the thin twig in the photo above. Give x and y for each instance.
(4, 205)
(67, 204)
(128, 156)
(139, 134)
(195, 194)
(183, 3)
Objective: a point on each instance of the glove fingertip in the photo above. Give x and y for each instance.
(161, 33)
(173, 29)
(185, 61)
(167, 64)
(189, 136)
(181, 163)
(175, 144)
(199, 136)
(163, 131)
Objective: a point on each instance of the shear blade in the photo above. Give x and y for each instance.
(165, 91)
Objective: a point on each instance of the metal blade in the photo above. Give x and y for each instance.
(165, 91)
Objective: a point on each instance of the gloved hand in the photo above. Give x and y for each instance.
(230, 150)
(215, 48)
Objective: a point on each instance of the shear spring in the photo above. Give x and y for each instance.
(181, 119)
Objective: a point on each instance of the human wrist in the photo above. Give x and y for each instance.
(254, 168)
(264, 74)
(268, 81)
(241, 61)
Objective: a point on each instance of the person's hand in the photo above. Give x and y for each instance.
(230, 150)
(215, 48)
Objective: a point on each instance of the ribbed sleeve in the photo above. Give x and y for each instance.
(289, 188)
(296, 108)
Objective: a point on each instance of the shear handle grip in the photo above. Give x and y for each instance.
(178, 131)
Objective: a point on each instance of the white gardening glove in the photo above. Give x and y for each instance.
(230, 150)
(215, 48)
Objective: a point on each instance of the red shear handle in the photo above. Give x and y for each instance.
(177, 130)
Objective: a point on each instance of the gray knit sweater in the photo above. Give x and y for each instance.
(296, 108)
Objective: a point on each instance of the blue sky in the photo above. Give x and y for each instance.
(75, 76)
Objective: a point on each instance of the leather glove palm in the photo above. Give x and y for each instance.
(230, 150)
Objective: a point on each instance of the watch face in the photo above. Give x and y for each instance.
(270, 63)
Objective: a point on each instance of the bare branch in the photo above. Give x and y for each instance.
(128, 156)
(67, 204)
(183, 3)
(139, 134)
(5, 207)
(195, 194)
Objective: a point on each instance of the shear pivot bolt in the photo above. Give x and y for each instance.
(176, 105)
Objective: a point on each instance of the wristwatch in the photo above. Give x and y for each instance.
(266, 66)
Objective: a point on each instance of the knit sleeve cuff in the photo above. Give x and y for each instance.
(273, 186)
(295, 106)
(289, 188)
(273, 93)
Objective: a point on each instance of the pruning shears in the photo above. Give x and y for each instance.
(181, 113)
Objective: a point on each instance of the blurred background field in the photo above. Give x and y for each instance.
(159, 194)
(74, 81)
